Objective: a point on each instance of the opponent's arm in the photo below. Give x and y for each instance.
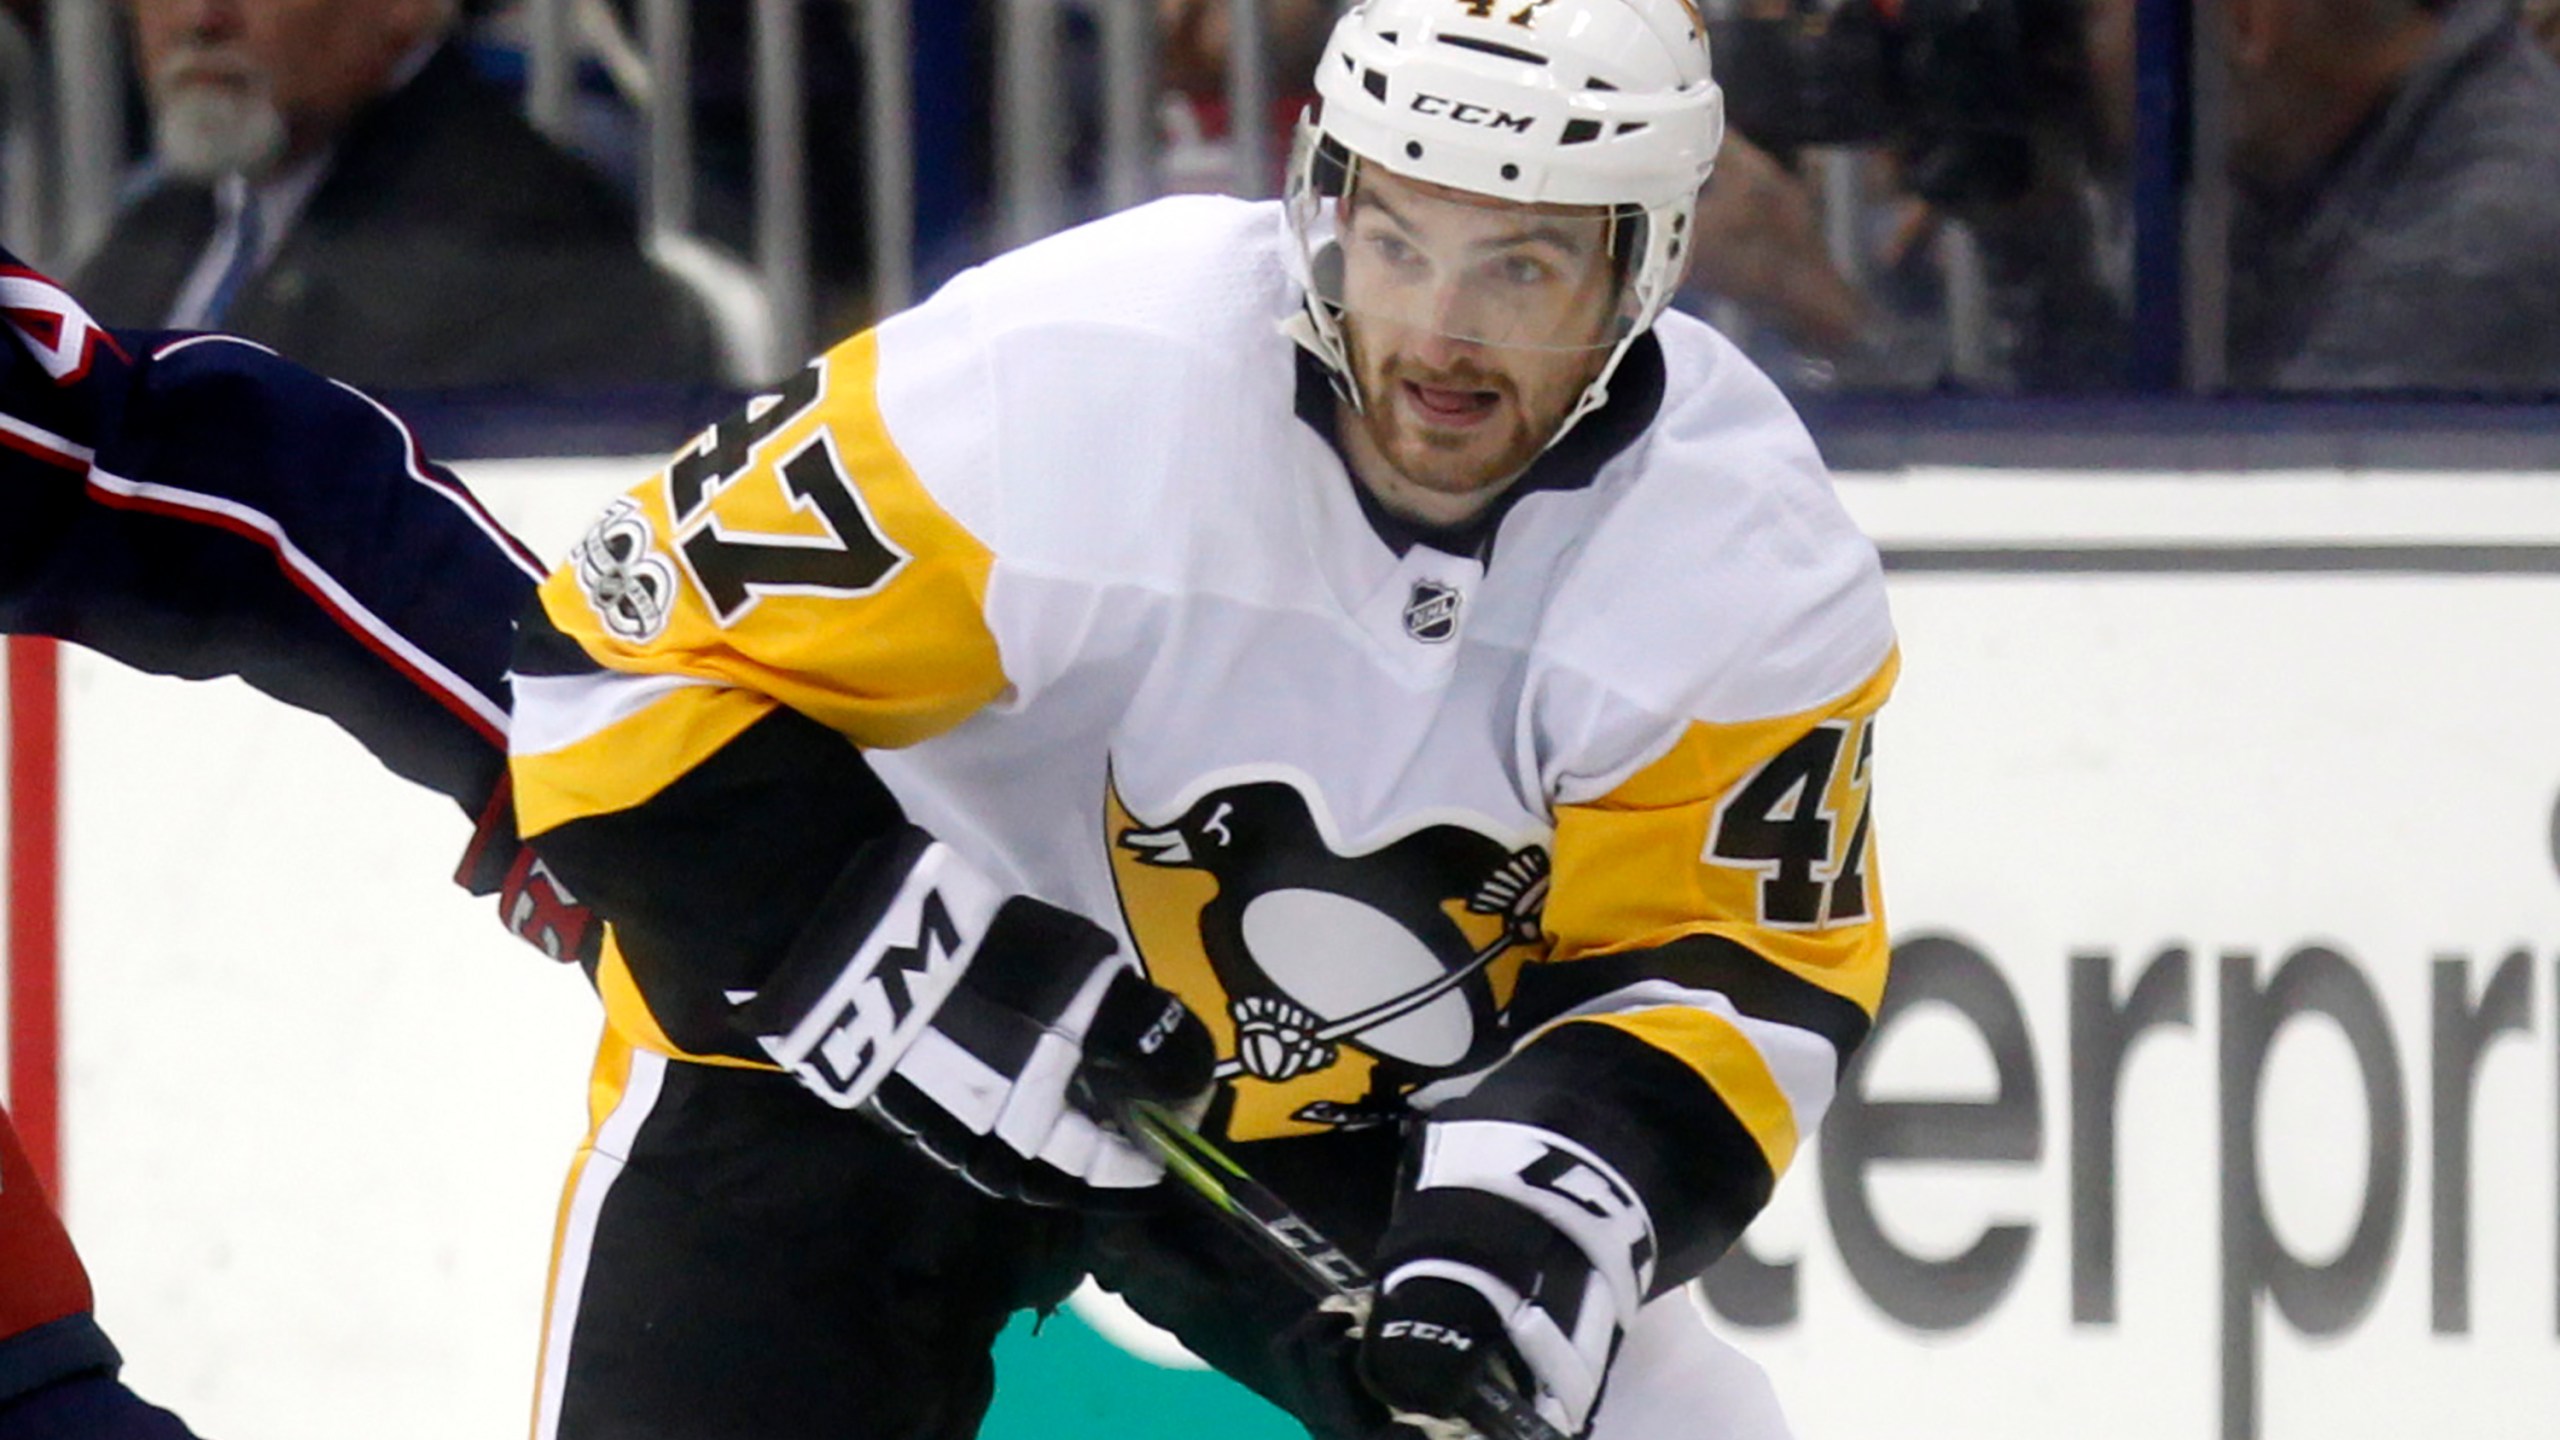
(1719, 952)
(57, 1368)
(195, 506)
(694, 691)
(198, 506)
(46, 1331)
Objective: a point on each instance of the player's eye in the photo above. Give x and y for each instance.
(1392, 249)
(1524, 271)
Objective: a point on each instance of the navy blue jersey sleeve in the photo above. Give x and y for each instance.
(194, 505)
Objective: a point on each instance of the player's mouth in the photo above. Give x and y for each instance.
(1450, 406)
(207, 71)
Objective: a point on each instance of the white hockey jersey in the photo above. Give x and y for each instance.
(1059, 552)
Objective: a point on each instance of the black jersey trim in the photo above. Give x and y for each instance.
(544, 649)
(1757, 987)
(1702, 1177)
(709, 881)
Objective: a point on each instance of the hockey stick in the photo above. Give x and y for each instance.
(1497, 1412)
(1393, 1008)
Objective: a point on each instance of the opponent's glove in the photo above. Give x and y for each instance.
(1513, 1252)
(532, 903)
(998, 1032)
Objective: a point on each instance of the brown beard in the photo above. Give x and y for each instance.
(1411, 448)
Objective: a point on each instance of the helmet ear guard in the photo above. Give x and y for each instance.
(1554, 102)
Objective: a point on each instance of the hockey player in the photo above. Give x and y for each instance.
(1361, 650)
(57, 1368)
(193, 505)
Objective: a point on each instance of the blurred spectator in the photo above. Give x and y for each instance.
(330, 178)
(1194, 40)
(1759, 243)
(721, 38)
(2542, 17)
(1978, 162)
(2398, 179)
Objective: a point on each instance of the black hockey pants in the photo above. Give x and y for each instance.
(737, 1260)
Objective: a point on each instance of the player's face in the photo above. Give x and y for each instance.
(1473, 327)
(238, 84)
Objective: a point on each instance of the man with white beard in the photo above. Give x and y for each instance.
(218, 110)
(332, 179)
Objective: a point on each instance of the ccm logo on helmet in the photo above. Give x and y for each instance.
(1467, 112)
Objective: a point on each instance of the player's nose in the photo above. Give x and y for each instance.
(1459, 314)
(1442, 352)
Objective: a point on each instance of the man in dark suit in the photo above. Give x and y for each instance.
(333, 180)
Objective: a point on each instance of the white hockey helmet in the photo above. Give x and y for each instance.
(1557, 102)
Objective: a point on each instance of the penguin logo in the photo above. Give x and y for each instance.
(1431, 612)
(1342, 980)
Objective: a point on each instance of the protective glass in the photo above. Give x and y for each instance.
(1392, 254)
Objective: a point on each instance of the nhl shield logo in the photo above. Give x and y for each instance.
(1431, 612)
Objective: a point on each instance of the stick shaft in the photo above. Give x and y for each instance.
(1498, 1412)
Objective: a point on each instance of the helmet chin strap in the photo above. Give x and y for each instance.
(1301, 327)
(1595, 394)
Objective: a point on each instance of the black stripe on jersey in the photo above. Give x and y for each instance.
(845, 917)
(542, 648)
(701, 912)
(1700, 1174)
(1757, 988)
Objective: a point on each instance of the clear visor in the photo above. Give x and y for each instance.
(1388, 253)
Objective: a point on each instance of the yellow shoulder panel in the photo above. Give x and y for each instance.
(1758, 832)
(624, 764)
(792, 550)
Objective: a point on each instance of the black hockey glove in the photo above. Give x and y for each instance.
(1510, 1247)
(997, 1032)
